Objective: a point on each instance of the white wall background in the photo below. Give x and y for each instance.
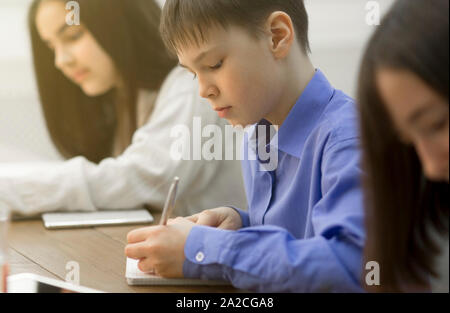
(21, 123)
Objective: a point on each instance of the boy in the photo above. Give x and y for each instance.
(304, 226)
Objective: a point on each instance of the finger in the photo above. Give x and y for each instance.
(145, 265)
(179, 221)
(207, 218)
(139, 235)
(175, 220)
(137, 250)
(193, 218)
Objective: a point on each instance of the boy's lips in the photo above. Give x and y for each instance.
(220, 109)
(222, 112)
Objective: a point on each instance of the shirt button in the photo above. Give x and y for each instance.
(200, 257)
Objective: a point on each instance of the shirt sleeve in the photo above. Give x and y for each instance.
(138, 177)
(270, 259)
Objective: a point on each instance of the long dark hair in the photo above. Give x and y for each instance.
(401, 205)
(128, 30)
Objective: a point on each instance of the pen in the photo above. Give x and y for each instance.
(170, 202)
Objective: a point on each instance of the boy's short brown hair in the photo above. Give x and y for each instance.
(186, 22)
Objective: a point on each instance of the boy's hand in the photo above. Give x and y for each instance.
(160, 249)
(223, 218)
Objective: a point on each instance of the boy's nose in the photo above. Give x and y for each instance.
(208, 91)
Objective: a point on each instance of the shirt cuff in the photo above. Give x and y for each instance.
(245, 218)
(203, 260)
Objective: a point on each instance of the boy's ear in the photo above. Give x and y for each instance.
(280, 28)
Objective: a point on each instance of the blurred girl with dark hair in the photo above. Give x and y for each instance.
(403, 98)
(111, 95)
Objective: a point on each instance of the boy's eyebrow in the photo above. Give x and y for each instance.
(201, 56)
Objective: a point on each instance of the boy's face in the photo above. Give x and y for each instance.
(237, 73)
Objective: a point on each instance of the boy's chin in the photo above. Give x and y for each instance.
(237, 123)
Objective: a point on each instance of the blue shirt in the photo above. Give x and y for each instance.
(303, 231)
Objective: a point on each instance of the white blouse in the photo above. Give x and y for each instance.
(141, 175)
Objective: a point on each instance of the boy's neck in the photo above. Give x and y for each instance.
(299, 72)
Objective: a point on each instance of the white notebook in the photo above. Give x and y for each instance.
(135, 277)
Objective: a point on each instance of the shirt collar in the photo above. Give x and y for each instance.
(305, 115)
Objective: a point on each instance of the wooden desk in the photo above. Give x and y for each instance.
(99, 252)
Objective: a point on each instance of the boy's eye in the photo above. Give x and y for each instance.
(217, 66)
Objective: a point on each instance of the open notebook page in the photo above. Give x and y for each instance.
(136, 277)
